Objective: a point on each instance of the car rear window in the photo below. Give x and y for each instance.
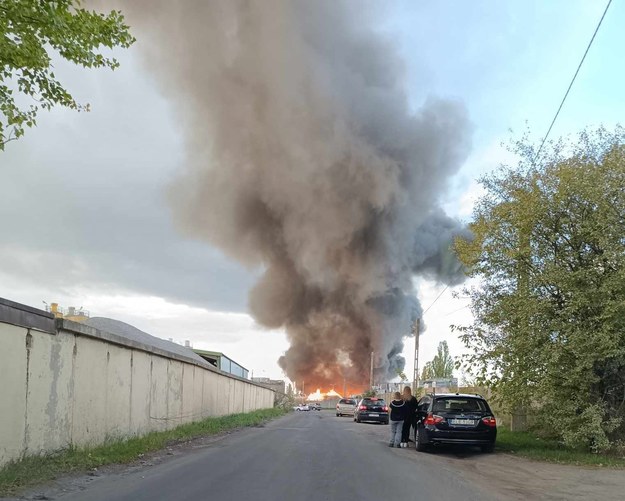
(373, 403)
(459, 404)
(347, 401)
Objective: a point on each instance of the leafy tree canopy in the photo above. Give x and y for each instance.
(549, 250)
(31, 31)
(441, 366)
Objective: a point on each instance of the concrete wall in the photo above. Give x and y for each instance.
(64, 383)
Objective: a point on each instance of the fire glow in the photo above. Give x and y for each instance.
(319, 395)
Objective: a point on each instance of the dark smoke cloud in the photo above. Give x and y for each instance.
(303, 159)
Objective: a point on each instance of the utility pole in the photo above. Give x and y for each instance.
(371, 373)
(344, 388)
(415, 379)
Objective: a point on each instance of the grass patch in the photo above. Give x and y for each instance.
(529, 445)
(36, 469)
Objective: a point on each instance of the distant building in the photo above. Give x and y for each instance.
(278, 385)
(440, 385)
(72, 313)
(391, 387)
(223, 363)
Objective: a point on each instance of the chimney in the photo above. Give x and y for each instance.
(187, 344)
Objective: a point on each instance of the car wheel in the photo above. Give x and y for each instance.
(419, 445)
(338, 415)
(358, 420)
(488, 448)
(385, 422)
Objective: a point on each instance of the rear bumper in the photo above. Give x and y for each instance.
(459, 441)
(345, 412)
(381, 418)
(457, 437)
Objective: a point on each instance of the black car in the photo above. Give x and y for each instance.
(455, 419)
(371, 409)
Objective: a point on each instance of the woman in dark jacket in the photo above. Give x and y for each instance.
(410, 418)
(398, 413)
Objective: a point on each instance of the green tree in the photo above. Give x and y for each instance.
(441, 366)
(402, 375)
(549, 250)
(30, 31)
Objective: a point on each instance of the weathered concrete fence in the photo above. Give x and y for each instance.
(63, 383)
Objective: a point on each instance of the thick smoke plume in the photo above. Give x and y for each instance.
(304, 160)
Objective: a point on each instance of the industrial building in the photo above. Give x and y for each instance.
(223, 363)
(72, 313)
(278, 385)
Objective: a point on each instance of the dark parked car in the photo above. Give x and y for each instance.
(371, 409)
(455, 419)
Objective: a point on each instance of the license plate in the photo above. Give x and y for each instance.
(462, 422)
(373, 415)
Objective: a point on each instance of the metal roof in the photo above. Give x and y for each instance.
(127, 331)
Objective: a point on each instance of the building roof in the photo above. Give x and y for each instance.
(127, 331)
(217, 354)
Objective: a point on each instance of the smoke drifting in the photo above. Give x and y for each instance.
(304, 160)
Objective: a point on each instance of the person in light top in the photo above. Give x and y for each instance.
(398, 413)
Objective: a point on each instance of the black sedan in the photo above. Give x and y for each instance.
(371, 409)
(455, 419)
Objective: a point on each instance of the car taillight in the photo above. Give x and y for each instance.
(337, 406)
(489, 421)
(385, 409)
(433, 419)
(363, 407)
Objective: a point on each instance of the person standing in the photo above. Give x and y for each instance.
(410, 417)
(398, 412)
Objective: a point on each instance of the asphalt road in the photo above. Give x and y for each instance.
(302, 456)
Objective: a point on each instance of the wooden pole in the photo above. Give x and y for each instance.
(371, 373)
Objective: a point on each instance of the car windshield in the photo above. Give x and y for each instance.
(348, 401)
(455, 404)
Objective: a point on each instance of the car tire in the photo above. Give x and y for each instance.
(357, 420)
(385, 422)
(338, 415)
(488, 449)
(419, 445)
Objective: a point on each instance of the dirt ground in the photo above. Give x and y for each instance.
(509, 477)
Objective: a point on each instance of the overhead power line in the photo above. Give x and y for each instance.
(571, 84)
(437, 298)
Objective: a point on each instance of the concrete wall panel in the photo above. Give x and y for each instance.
(50, 393)
(89, 425)
(12, 391)
(140, 393)
(188, 393)
(158, 393)
(199, 412)
(174, 389)
(118, 384)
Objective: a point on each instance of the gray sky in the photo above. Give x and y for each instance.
(82, 202)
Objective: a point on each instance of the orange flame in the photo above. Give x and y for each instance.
(320, 395)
